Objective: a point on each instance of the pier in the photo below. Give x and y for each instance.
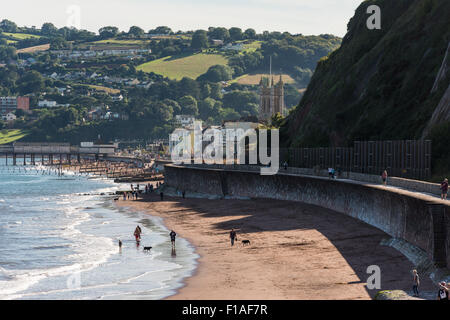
(48, 153)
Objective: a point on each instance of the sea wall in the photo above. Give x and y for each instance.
(418, 220)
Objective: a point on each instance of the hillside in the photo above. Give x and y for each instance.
(190, 66)
(378, 84)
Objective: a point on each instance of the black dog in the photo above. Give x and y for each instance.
(147, 248)
(116, 199)
(244, 242)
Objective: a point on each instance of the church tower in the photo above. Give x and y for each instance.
(271, 99)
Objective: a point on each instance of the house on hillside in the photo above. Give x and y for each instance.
(9, 117)
(47, 104)
(117, 98)
(185, 120)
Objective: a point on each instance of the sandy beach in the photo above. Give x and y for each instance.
(297, 251)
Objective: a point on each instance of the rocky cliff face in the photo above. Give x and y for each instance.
(380, 84)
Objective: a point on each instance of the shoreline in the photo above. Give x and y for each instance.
(326, 264)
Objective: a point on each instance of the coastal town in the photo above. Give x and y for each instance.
(232, 169)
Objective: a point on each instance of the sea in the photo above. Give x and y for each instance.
(59, 237)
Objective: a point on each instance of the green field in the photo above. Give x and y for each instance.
(124, 42)
(20, 36)
(8, 136)
(190, 66)
(253, 46)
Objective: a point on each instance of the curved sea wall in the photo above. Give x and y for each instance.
(419, 220)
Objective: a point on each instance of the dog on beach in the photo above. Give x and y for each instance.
(147, 248)
(116, 199)
(244, 242)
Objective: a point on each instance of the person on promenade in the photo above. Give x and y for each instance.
(444, 189)
(416, 283)
(233, 236)
(330, 173)
(384, 176)
(124, 196)
(285, 165)
(184, 194)
(132, 189)
(443, 293)
(172, 238)
(161, 194)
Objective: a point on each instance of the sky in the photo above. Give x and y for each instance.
(307, 17)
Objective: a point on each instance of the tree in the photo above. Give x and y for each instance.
(188, 86)
(237, 99)
(108, 32)
(235, 34)
(161, 30)
(199, 40)
(250, 34)
(7, 53)
(136, 32)
(48, 29)
(208, 108)
(219, 33)
(31, 82)
(8, 26)
(59, 43)
(188, 105)
(217, 73)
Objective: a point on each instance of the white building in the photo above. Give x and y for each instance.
(46, 104)
(185, 120)
(9, 117)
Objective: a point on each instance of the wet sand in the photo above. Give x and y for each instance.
(297, 251)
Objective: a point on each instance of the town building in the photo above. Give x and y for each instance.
(47, 104)
(271, 99)
(9, 117)
(185, 120)
(11, 104)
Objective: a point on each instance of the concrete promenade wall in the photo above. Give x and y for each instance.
(419, 220)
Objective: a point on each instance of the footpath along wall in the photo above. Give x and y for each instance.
(417, 219)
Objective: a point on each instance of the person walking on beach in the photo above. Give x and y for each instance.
(172, 238)
(184, 194)
(444, 189)
(443, 293)
(233, 236)
(384, 176)
(137, 233)
(416, 283)
(161, 194)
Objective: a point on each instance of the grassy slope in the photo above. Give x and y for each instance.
(8, 136)
(190, 66)
(253, 79)
(20, 36)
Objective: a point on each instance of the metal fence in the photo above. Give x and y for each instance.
(403, 158)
